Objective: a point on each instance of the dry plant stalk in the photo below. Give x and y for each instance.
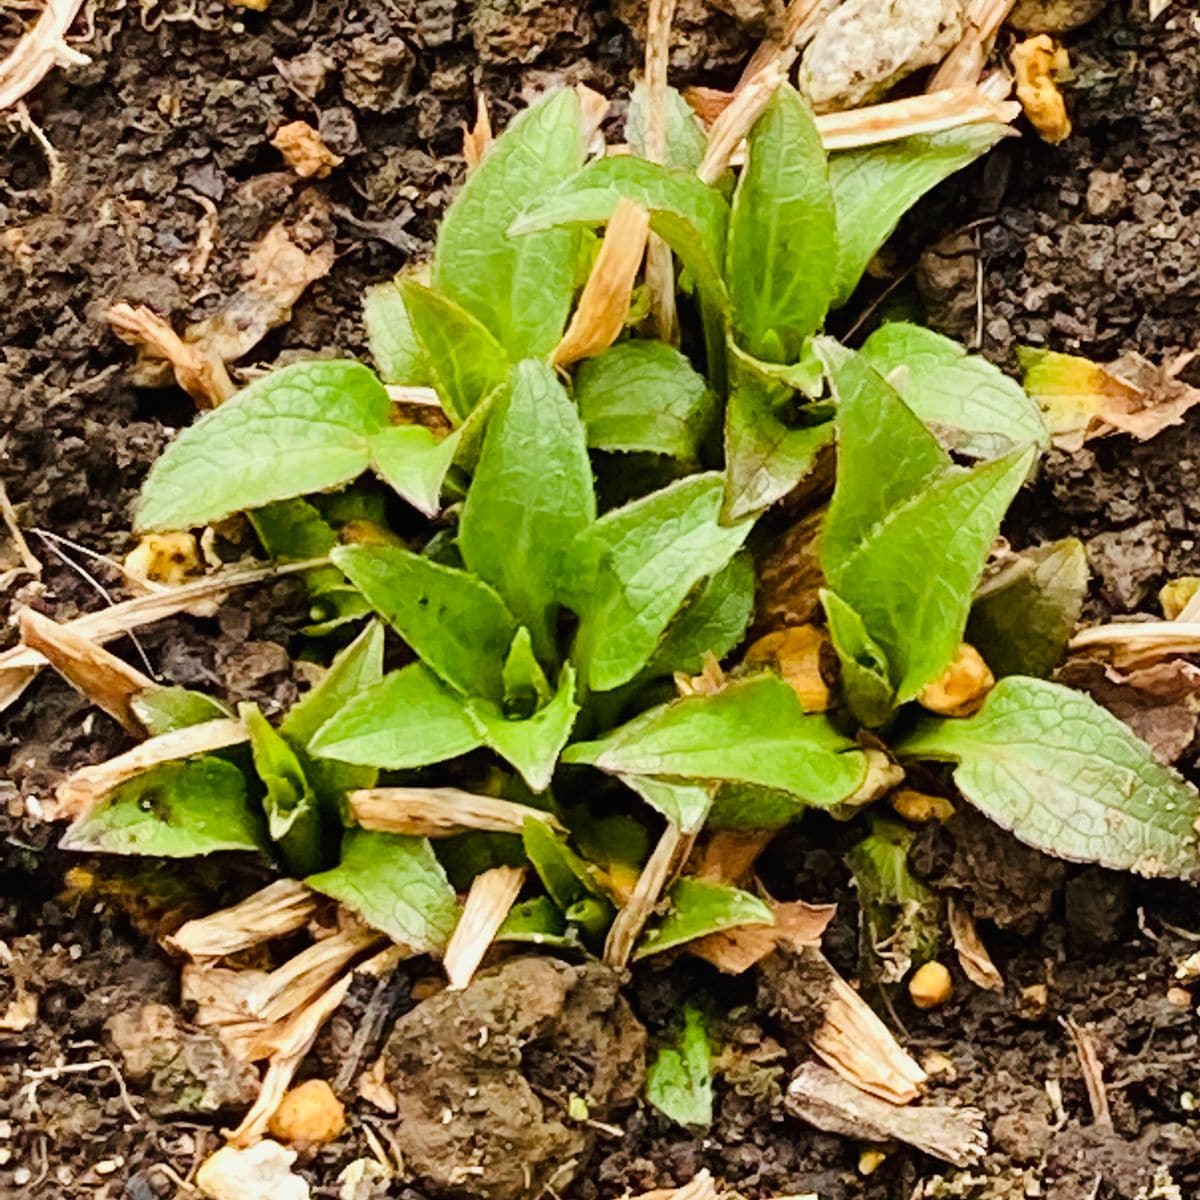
(604, 302)
(964, 64)
(293, 1040)
(1093, 1073)
(660, 269)
(799, 23)
(973, 957)
(39, 51)
(478, 138)
(201, 374)
(896, 119)
(280, 908)
(440, 812)
(859, 1046)
(81, 790)
(665, 862)
(305, 975)
(29, 561)
(491, 896)
(99, 676)
(20, 665)
(730, 128)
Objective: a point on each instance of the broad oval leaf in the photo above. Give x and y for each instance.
(408, 719)
(752, 731)
(520, 289)
(165, 709)
(398, 354)
(644, 396)
(970, 405)
(1025, 614)
(396, 884)
(176, 810)
(698, 908)
(530, 497)
(874, 187)
(630, 573)
(304, 428)
(686, 139)
(455, 623)
(1067, 777)
(783, 235)
(679, 1080)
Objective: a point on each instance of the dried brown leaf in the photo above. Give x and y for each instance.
(101, 677)
(604, 302)
(728, 856)
(734, 951)
(478, 139)
(795, 653)
(961, 688)
(304, 151)
(492, 894)
(973, 957)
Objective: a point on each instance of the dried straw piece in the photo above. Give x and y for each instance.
(973, 957)
(202, 375)
(279, 908)
(488, 902)
(440, 812)
(665, 863)
(293, 1040)
(1130, 643)
(731, 127)
(800, 21)
(79, 792)
(604, 303)
(305, 975)
(220, 995)
(896, 119)
(39, 51)
(964, 64)
(20, 665)
(99, 676)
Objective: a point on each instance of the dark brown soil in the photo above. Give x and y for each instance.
(1092, 246)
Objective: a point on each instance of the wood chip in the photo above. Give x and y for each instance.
(280, 908)
(79, 792)
(441, 812)
(817, 1095)
(492, 894)
(197, 370)
(604, 302)
(101, 677)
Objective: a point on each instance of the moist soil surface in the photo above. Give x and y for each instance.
(147, 175)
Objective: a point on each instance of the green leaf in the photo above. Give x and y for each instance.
(294, 529)
(971, 406)
(713, 621)
(293, 813)
(899, 911)
(1067, 777)
(764, 457)
(521, 289)
(646, 397)
(679, 1080)
(454, 622)
(530, 497)
(783, 235)
(394, 346)
(874, 187)
(688, 215)
(303, 428)
(1025, 614)
(865, 676)
(738, 806)
(409, 719)
(913, 577)
(538, 922)
(465, 361)
(526, 687)
(873, 426)
(698, 908)
(631, 572)
(176, 810)
(567, 878)
(752, 731)
(531, 745)
(685, 805)
(686, 141)
(356, 669)
(165, 709)
(396, 884)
